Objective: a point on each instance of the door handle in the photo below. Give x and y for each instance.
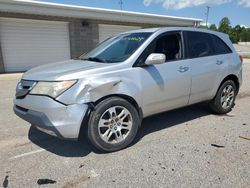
(219, 62)
(183, 69)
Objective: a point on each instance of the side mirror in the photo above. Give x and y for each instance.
(155, 58)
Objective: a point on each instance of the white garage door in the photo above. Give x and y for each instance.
(106, 31)
(29, 43)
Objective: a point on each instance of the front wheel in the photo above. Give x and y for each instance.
(224, 99)
(113, 124)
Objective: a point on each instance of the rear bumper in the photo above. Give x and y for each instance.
(50, 116)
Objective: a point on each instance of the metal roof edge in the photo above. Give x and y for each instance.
(76, 8)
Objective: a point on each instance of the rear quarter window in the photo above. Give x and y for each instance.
(220, 47)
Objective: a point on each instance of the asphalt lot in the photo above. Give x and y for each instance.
(172, 149)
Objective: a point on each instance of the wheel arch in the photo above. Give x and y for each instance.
(125, 97)
(215, 103)
(234, 78)
(93, 104)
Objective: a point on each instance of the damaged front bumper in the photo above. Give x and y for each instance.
(51, 116)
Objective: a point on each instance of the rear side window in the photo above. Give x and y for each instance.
(220, 46)
(199, 44)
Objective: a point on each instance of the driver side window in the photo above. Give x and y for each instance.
(168, 44)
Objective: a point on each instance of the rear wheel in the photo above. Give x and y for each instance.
(113, 124)
(225, 97)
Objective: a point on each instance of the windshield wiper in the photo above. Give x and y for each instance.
(94, 59)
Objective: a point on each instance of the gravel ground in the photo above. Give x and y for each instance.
(172, 149)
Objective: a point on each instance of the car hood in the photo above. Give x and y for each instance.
(66, 70)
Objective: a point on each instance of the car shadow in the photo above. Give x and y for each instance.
(65, 148)
(151, 124)
(172, 118)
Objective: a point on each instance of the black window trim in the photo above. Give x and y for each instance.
(182, 45)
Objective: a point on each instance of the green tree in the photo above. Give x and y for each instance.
(225, 25)
(233, 36)
(245, 35)
(213, 27)
(236, 33)
(238, 30)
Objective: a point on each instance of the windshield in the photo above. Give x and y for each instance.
(116, 49)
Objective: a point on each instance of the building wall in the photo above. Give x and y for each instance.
(83, 37)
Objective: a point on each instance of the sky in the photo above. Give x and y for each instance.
(238, 11)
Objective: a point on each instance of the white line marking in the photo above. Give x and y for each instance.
(26, 154)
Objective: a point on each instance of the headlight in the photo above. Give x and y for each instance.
(52, 89)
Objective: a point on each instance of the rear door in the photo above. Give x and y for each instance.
(207, 66)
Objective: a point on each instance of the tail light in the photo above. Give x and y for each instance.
(241, 59)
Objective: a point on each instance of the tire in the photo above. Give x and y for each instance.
(217, 104)
(113, 124)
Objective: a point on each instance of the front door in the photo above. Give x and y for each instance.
(166, 86)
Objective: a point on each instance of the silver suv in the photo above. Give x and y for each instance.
(129, 77)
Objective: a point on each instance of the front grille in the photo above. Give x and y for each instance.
(23, 88)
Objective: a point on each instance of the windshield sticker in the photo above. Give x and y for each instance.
(139, 39)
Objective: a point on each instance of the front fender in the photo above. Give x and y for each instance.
(93, 89)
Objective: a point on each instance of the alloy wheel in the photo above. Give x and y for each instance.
(115, 124)
(227, 97)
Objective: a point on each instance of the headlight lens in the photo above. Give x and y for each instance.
(52, 89)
